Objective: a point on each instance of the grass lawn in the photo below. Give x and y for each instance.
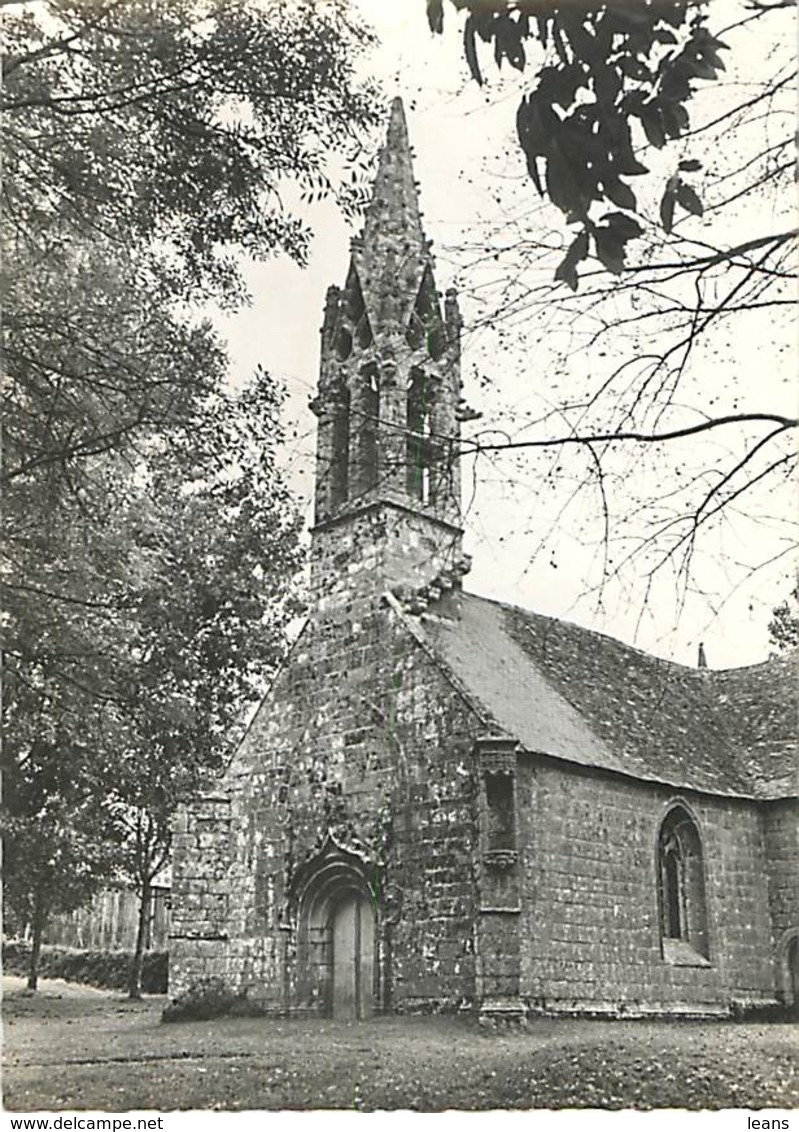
(72, 1047)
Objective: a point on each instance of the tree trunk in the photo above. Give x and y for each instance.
(134, 980)
(37, 929)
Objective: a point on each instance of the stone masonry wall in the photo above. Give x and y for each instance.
(590, 925)
(361, 736)
(198, 939)
(381, 541)
(432, 865)
(781, 832)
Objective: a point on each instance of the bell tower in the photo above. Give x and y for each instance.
(387, 493)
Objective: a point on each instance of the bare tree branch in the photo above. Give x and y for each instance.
(476, 445)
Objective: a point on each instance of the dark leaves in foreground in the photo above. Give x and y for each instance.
(618, 76)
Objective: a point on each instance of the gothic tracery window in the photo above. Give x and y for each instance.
(681, 880)
(340, 458)
(368, 427)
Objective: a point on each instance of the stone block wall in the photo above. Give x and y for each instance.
(781, 838)
(198, 939)
(381, 540)
(363, 738)
(590, 929)
(781, 833)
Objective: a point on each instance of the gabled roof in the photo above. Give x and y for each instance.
(580, 696)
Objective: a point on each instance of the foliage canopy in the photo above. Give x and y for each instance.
(150, 540)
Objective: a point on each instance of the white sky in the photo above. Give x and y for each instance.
(472, 182)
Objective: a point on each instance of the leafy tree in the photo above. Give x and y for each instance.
(61, 723)
(176, 124)
(147, 621)
(679, 225)
(94, 359)
(215, 541)
(613, 76)
(60, 845)
(784, 625)
(148, 144)
(98, 359)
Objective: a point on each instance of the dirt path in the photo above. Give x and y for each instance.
(73, 1047)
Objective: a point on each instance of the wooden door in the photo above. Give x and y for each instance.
(353, 958)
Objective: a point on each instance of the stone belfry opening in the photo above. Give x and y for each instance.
(389, 394)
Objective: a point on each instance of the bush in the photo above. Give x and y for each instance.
(770, 1012)
(209, 999)
(107, 969)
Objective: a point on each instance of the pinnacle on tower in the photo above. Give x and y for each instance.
(394, 207)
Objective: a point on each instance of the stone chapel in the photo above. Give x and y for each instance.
(445, 803)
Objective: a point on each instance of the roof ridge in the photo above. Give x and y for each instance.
(702, 673)
(587, 698)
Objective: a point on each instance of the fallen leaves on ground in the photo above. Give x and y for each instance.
(96, 1052)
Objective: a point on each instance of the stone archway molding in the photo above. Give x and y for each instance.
(336, 865)
(332, 877)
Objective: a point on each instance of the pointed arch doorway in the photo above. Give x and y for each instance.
(337, 971)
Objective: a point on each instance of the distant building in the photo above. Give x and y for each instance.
(110, 921)
(448, 803)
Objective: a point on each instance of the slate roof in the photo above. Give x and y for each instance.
(580, 696)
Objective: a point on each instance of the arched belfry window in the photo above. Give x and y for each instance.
(368, 426)
(340, 454)
(419, 444)
(355, 309)
(681, 881)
